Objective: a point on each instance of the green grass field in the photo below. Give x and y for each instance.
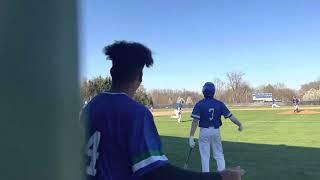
(272, 146)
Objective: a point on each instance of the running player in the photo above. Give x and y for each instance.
(274, 105)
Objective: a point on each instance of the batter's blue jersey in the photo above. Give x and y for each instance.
(209, 111)
(123, 142)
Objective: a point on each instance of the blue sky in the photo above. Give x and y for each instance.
(196, 41)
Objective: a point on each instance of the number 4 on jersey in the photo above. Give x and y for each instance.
(92, 151)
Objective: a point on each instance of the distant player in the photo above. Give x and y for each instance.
(295, 102)
(274, 105)
(122, 139)
(179, 111)
(207, 114)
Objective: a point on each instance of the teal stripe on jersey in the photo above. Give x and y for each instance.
(146, 155)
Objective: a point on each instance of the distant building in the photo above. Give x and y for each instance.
(312, 95)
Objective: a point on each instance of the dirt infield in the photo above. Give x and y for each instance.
(303, 111)
(269, 108)
(167, 113)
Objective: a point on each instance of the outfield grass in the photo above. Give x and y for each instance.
(272, 146)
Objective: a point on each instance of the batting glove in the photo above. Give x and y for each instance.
(191, 142)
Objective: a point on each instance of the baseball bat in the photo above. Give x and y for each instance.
(188, 157)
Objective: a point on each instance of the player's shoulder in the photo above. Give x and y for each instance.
(134, 107)
(219, 102)
(110, 98)
(117, 98)
(140, 107)
(201, 102)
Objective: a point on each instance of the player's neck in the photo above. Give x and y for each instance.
(122, 89)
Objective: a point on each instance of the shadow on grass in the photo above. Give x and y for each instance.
(261, 162)
(188, 120)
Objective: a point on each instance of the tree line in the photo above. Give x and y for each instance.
(234, 90)
(92, 87)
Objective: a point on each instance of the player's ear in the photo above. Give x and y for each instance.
(137, 80)
(112, 71)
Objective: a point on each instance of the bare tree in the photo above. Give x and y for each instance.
(219, 87)
(168, 96)
(235, 83)
(245, 93)
(279, 91)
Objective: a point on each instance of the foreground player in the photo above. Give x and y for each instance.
(207, 114)
(122, 139)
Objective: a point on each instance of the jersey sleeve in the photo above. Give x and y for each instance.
(225, 111)
(196, 112)
(145, 148)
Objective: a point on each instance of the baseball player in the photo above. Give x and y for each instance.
(179, 111)
(274, 105)
(295, 102)
(122, 139)
(207, 115)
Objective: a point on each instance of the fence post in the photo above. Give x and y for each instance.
(39, 130)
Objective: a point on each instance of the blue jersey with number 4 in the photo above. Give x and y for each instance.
(122, 139)
(209, 111)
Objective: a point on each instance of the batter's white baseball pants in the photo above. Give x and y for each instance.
(210, 137)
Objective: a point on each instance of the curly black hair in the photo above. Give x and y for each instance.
(128, 59)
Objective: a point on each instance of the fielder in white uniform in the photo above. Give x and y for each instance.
(207, 115)
(179, 111)
(274, 105)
